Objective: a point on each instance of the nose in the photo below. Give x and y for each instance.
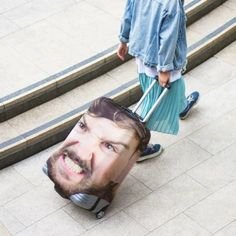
(87, 146)
(85, 152)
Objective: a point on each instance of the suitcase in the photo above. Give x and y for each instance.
(99, 152)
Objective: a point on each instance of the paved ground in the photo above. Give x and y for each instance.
(190, 190)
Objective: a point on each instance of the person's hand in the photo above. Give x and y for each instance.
(122, 51)
(163, 78)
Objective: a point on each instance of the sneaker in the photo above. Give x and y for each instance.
(192, 100)
(151, 151)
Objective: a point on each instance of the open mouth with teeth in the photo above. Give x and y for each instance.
(73, 165)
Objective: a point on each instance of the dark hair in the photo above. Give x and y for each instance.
(123, 117)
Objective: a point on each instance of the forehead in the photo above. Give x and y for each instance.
(108, 129)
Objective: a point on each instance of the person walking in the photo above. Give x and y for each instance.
(154, 32)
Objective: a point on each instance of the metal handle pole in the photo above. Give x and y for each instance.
(155, 104)
(144, 95)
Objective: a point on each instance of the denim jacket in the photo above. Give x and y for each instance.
(156, 32)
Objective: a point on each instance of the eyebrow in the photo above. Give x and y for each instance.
(126, 146)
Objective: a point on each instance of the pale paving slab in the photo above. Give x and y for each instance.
(115, 8)
(167, 202)
(217, 210)
(3, 230)
(6, 26)
(124, 72)
(129, 192)
(229, 230)
(15, 68)
(48, 47)
(192, 36)
(7, 5)
(181, 225)
(85, 22)
(7, 132)
(212, 105)
(100, 86)
(119, 224)
(37, 203)
(218, 170)
(193, 84)
(175, 160)
(31, 168)
(218, 135)
(90, 91)
(76, 97)
(57, 224)
(212, 20)
(212, 74)
(216, 103)
(228, 54)
(12, 185)
(10, 222)
(34, 11)
(230, 4)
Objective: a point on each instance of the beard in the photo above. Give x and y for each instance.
(86, 185)
(67, 188)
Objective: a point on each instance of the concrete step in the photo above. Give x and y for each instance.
(50, 122)
(44, 90)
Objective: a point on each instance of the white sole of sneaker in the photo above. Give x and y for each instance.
(154, 155)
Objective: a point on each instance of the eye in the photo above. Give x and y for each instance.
(110, 147)
(81, 125)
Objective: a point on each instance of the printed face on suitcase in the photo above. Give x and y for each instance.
(99, 151)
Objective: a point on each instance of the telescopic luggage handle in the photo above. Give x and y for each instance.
(167, 87)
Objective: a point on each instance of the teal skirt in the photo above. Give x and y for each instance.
(165, 118)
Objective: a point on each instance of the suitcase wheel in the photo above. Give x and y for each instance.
(101, 213)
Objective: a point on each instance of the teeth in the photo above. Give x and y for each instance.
(74, 167)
